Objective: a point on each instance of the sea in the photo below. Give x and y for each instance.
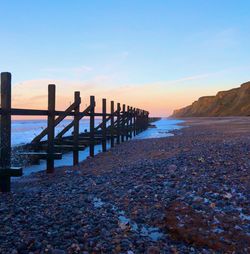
(23, 131)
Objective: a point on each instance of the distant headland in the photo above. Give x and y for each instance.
(234, 102)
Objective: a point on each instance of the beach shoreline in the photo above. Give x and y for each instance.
(179, 194)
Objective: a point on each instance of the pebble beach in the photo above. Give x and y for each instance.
(187, 193)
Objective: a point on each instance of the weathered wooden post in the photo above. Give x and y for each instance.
(5, 130)
(118, 119)
(104, 125)
(147, 119)
(51, 127)
(127, 122)
(123, 121)
(135, 121)
(130, 122)
(143, 120)
(76, 129)
(6, 171)
(139, 121)
(112, 110)
(92, 126)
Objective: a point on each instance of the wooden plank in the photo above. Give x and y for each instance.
(127, 123)
(51, 128)
(35, 112)
(92, 126)
(70, 125)
(100, 114)
(147, 117)
(70, 147)
(134, 121)
(11, 171)
(28, 112)
(104, 125)
(123, 122)
(107, 119)
(76, 129)
(41, 155)
(118, 119)
(131, 122)
(98, 136)
(5, 151)
(138, 127)
(138, 122)
(66, 146)
(112, 110)
(57, 121)
(144, 120)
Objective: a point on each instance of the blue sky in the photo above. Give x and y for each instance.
(180, 47)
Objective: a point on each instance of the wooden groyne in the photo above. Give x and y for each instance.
(120, 124)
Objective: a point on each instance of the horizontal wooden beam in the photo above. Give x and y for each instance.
(12, 171)
(69, 147)
(41, 112)
(42, 155)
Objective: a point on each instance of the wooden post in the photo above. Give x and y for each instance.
(143, 120)
(123, 121)
(5, 130)
(118, 119)
(104, 126)
(112, 110)
(127, 122)
(140, 121)
(92, 126)
(51, 128)
(76, 129)
(134, 120)
(130, 122)
(147, 118)
(137, 121)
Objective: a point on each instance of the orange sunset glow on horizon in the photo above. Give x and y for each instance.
(159, 98)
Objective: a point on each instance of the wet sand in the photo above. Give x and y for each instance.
(188, 193)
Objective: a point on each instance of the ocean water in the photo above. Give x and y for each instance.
(163, 127)
(23, 131)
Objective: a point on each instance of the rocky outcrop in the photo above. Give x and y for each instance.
(234, 102)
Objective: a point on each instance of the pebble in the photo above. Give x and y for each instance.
(190, 180)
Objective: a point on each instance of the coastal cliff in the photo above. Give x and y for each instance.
(234, 102)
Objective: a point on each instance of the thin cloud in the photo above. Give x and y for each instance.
(159, 97)
(188, 78)
(202, 76)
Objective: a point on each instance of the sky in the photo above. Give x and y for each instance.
(156, 55)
